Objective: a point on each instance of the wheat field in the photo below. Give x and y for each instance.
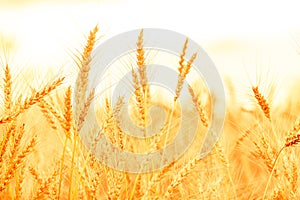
(42, 155)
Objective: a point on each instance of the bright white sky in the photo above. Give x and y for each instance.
(233, 32)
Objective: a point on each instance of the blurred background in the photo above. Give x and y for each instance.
(239, 36)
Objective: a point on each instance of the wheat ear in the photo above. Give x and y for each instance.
(180, 176)
(199, 107)
(291, 141)
(67, 127)
(141, 63)
(262, 102)
(293, 135)
(5, 140)
(82, 80)
(7, 90)
(10, 172)
(183, 70)
(33, 99)
(138, 97)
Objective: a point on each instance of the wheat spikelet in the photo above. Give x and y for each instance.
(90, 43)
(141, 63)
(115, 179)
(68, 112)
(44, 187)
(188, 66)
(183, 71)
(33, 99)
(16, 142)
(199, 107)
(119, 133)
(10, 172)
(262, 152)
(82, 80)
(35, 175)
(67, 127)
(180, 176)
(293, 135)
(108, 126)
(19, 183)
(278, 194)
(47, 107)
(154, 145)
(5, 140)
(7, 90)
(111, 193)
(294, 178)
(246, 134)
(291, 174)
(262, 102)
(48, 115)
(225, 162)
(85, 109)
(154, 181)
(138, 193)
(181, 61)
(139, 98)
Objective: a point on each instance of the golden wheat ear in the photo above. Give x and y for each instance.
(7, 90)
(199, 107)
(293, 135)
(82, 80)
(183, 69)
(141, 60)
(262, 102)
(139, 98)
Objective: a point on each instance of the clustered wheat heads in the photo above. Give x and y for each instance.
(183, 69)
(236, 171)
